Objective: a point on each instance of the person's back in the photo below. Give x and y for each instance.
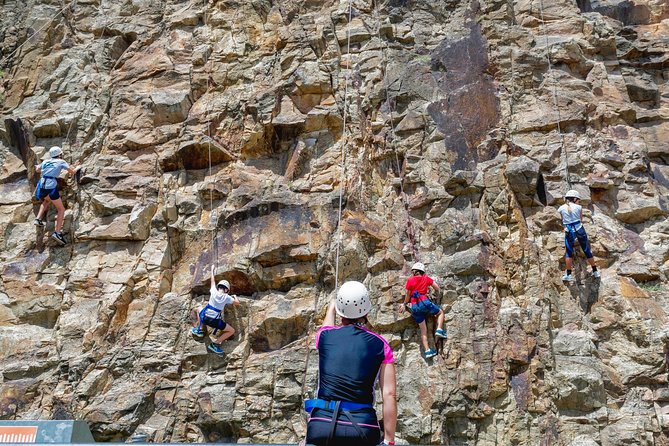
(419, 285)
(571, 214)
(50, 170)
(349, 360)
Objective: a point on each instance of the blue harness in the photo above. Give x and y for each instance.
(573, 227)
(310, 405)
(204, 311)
(47, 178)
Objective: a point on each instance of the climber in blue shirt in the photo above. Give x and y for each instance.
(47, 189)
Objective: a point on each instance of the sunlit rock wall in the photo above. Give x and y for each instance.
(453, 128)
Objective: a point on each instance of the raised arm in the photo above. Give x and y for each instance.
(388, 390)
(213, 279)
(73, 169)
(330, 315)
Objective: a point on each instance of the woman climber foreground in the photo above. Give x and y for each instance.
(47, 190)
(212, 314)
(350, 358)
(421, 306)
(572, 216)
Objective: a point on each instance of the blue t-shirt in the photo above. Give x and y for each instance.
(52, 168)
(349, 360)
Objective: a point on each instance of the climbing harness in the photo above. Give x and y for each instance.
(317, 403)
(336, 407)
(563, 148)
(202, 315)
(391, 109)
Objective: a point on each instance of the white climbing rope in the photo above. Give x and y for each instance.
(400, 172)
(556, 105)
(343, 145)
(210, 186)
(72, 3)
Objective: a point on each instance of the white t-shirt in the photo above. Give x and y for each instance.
(218, 300)
(52, 168)
(570, 214)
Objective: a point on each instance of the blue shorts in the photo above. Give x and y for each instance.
(421, 309)
(41, 193)
(569, 240)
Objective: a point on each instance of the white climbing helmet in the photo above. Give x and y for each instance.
(572, 194)
(353, 300)
(55, 151)
(418, 266)
(223, 283)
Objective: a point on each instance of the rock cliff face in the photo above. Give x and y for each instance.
(216, 132)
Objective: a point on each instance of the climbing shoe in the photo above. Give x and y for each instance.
(567, 278)
(38, 222)
(430, 353)
(596, 274)
(197, 332)
(59, 236)
(441, 333)
(215, 348)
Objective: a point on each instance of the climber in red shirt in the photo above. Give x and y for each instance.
(421, 306)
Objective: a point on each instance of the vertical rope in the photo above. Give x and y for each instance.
(342, 183)
(555, 95)
(391, 109)
(210, 185)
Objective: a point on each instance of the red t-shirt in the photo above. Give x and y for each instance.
(418, 283)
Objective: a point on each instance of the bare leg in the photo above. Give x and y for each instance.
(591, 261)
(43, 207)
(61, 214)
(440, 320)
(228, 331)
(423, 335)
(570, 262)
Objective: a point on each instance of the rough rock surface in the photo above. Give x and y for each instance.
(455, 153)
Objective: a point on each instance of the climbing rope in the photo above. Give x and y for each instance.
(71, 4)
(391, 109)
(563, 148)
(210, 186)
(343, 145)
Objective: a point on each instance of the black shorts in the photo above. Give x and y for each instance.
(320, 425)
(216, 323)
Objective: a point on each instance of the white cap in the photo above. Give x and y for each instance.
(572, 194)
(353, 300)
(224, 283)
(418, 267)
(55, 151)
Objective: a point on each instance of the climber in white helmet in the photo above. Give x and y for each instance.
(212, 314)
(572, 217)
(47, 190)
(350, 359)
(420, 305)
